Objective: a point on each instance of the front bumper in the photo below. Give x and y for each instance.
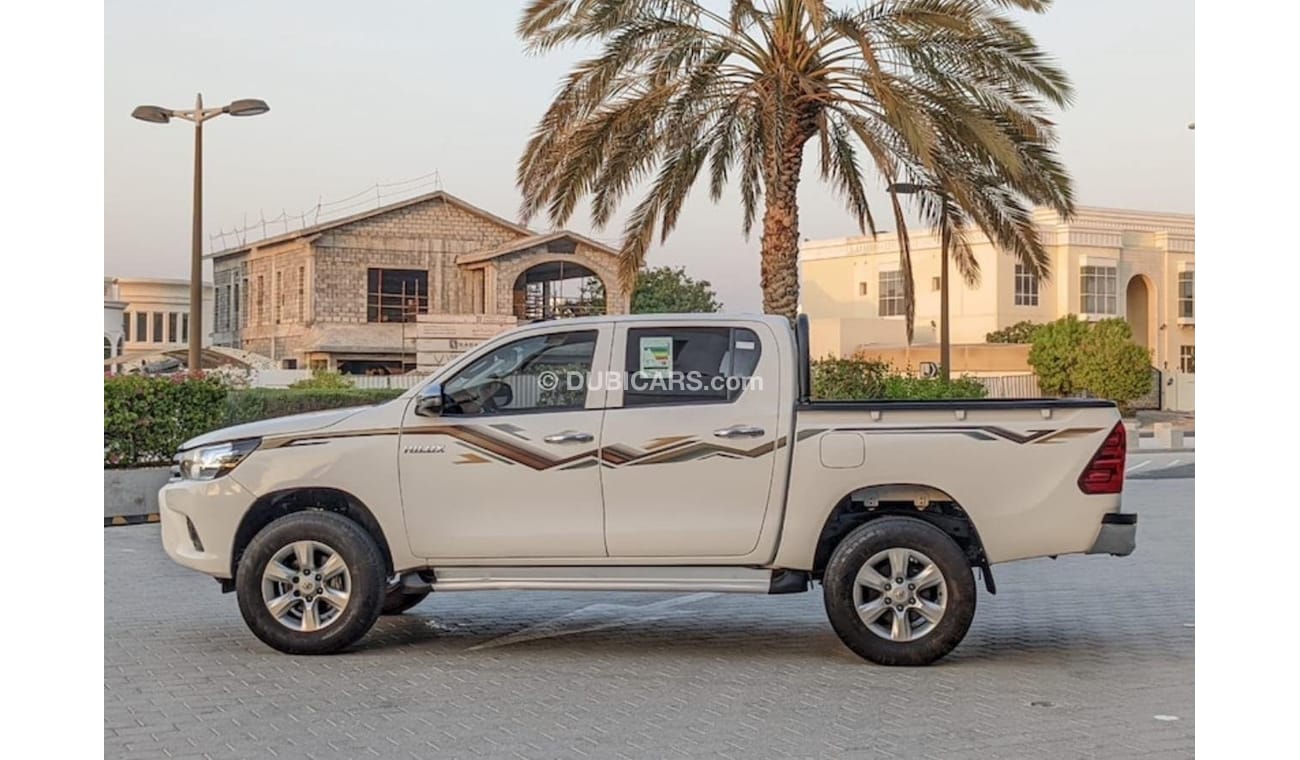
(1118, 536)
(199, 519)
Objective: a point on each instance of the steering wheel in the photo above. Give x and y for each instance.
(493, 395)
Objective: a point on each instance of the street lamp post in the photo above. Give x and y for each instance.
(945, 345)
(159, 115)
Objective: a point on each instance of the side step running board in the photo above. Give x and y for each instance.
(744, 580)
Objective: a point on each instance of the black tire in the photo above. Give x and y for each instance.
(398, 601)
(365, 568)
(867, 542)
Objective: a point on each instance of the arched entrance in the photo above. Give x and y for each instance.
(1139, 305)
(557, 289)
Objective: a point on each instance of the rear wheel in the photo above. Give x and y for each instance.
(311, 583)
(899, 591)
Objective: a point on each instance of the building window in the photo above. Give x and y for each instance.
(1187, 296)
(121, 346)
(126, 325)
(1187, 359)
(862, 288)
(157, 327)
(234, 305)
(396, 295)
(257, 318)
(1097, 290)
(171, 327)
(302, 289)
(185, 327)
(935, 283)
(141, 326)
(108, 347)
(279, 295)
(1026, 287)
(891, 294)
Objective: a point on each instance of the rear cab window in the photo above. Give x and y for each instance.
(688, 365)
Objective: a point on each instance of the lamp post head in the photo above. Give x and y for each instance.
(152, 114)
(247, 107)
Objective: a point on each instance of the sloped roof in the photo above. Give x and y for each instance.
(532, 241)
(317, 229)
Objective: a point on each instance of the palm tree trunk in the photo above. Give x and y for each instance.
(780, 242)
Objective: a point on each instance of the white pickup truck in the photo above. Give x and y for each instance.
(645, 453)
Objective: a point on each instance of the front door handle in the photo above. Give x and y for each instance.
(569, 436)
(739, 431)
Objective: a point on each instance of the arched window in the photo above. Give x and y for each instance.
(108, 347)
(121, 346)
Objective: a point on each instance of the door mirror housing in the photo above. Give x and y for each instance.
(429, 402)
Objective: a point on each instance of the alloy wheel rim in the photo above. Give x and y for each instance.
(306, 586)
(900, 594)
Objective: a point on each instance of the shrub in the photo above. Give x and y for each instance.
(265, 403)
(147, 418)
(846, 379)
(1056, 352)
(861, 379)
(899, 386)
(1111, 365)
(1020, 332)
(324, 380)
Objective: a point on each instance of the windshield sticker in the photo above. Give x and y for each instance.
(657, 357)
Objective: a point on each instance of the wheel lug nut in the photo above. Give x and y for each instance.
(295, 579)
(912, 600)
(295, 593)
(898, 580)
(911, 587)
(886, 586)
(318, 576)
(899, 608)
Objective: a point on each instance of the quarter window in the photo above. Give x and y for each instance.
(1026, 287)
(538, 373)
(1186, 296)
(1097, 287)
(688, 365)
(891, 294)
(396, 295)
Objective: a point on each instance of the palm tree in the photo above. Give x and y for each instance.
(951, 93)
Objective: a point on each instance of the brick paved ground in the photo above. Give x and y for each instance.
(1073, 658)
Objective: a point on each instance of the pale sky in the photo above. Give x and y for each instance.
(388, 91)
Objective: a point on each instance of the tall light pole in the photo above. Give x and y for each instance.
(945, 345)
(159, 115)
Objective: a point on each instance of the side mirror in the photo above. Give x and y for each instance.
(429, 402)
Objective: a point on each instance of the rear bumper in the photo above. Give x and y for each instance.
(1118, 535)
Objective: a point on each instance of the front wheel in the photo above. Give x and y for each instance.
(899, 591)
(311, 583)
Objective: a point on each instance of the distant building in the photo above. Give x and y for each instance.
(1138, 265)
(359, 294)
(144, 316)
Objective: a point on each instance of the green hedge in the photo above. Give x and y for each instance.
(264, 403)
(857, 379)
(147, 418)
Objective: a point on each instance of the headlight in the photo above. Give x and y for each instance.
(208, 462)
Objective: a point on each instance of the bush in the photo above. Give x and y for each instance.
(932, 388)
(1020, 332)
(323, 380)
(845, 379)
(147, 418)
(1055, 354)
(265, 403)
(1111, 365)
(860, 379)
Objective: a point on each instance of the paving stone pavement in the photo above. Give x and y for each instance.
(1073, 658)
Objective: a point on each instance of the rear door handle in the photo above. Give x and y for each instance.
(569, 436)
(739, 431)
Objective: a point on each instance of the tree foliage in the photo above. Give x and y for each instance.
(1100, 359)
(661, 290)
(952, 95)
(859, 379)
(1020, 332)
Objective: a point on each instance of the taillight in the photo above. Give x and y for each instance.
(1105, 473)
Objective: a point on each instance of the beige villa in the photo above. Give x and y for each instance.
(399, 287)
(1138, 265)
